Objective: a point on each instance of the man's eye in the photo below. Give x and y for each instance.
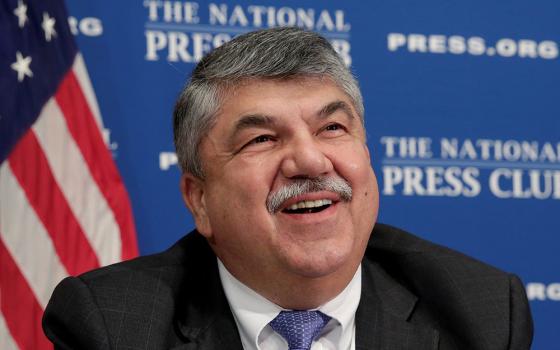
(333, 127)
(261, 139)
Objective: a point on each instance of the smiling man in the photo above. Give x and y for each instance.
(276, 172)
(272, 139)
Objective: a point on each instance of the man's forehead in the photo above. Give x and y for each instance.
(233, 89)
(324, 106)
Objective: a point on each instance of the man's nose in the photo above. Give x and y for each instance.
(305, 158)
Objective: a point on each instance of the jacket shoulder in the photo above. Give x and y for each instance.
(143, 294)
(434, 271)
(174, 257)
(473, 304)
(397, 244)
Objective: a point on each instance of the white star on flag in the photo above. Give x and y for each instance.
(21, 66)
(21, 13)
(64, 209)
(48, 26)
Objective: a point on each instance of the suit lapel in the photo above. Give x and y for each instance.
(383, 314)
(204, 319)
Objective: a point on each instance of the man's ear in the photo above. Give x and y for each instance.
(192, 189)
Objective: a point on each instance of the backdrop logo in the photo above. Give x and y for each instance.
(474, 46)
(542, 291)
(167, 160)
(88, 26)
(184, 31)
(452, 167)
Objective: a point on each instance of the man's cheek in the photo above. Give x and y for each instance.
(355, 165)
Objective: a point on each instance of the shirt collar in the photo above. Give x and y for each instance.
(253, 312)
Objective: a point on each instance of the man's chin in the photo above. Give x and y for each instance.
(316, 263)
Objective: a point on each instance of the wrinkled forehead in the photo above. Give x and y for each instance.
(230, 90)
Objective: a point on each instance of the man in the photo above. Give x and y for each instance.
(276, 172)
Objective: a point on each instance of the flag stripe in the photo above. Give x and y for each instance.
(63, 206)
(84, 130)
(21, 310)
(27, 240)
(85, 83)
(6, 340)
(29, 166)
(76, 182)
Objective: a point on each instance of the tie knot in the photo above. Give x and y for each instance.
(299, 328)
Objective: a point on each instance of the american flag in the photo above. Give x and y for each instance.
(63, 207)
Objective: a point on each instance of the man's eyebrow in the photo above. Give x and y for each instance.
(335, 106)
(263, 120)
(253, 120)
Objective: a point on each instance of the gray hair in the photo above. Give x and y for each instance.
(277, 53)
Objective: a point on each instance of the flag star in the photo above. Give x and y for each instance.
(48, 26)
(21, 13)
(21, 66)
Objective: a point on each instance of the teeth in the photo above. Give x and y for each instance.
(310, 204)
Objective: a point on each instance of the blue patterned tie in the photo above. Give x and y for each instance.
(299, 328)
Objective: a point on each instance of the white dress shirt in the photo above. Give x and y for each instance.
(253, 312)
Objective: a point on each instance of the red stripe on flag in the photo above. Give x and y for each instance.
(19, 306)
(87, 135)
(32, 171)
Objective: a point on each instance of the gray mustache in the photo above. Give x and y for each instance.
(299, 187)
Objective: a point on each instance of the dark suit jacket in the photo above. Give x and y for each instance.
(415, 295)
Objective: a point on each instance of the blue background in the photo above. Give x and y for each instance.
(407, 94)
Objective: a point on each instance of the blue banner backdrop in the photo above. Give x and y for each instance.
(461, 103)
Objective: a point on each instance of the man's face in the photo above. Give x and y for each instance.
(269, 134)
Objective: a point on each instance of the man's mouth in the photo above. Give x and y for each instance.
(307, 207)
(306, 193)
